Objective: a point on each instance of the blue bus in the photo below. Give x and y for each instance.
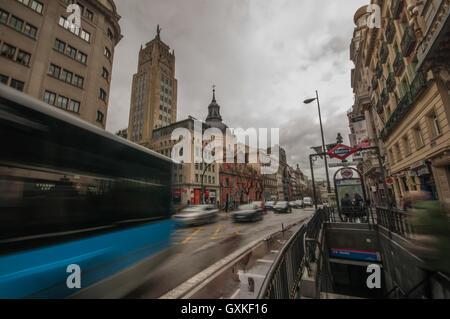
(73, 194)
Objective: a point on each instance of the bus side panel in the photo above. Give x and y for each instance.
(42, 273)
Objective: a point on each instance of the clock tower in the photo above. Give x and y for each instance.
(154, 91)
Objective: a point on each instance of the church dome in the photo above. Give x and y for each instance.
(214, 119)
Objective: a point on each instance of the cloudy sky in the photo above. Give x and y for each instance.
(264, 56)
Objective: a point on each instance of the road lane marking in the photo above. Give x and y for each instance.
(217, 232)
(235, 294)
(192, 235)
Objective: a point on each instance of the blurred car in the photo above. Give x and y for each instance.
(270, 205)
(196, 215)
(282, 208)
(293, 204)
(248, 213)
(262, 205)
(307, 201)
(300, 203)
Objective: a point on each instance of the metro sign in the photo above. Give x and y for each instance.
(341, 151)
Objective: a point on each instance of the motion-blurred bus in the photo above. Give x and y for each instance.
(73, 194)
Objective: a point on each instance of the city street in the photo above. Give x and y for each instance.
(197, 248)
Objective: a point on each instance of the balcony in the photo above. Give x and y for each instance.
(379, 107)
(378, 70)
(384, 96)
(374, 83)
(402, 108)
(408, 41)
(384, 53)
(390, 31)
(399, 65)
(396, 8)
(390, 82)
(418, 85)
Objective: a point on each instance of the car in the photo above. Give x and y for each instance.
(196, 215)
(248, 213)
(282, 207)
(293, 204)
(300, 203)
(307, 201)
(262, 205)
(270, 205)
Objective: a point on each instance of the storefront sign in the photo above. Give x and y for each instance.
(418, 164)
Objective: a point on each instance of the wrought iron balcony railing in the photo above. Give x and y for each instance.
(378, 70)
(374, 83)
(418, 84)
(384, 96)
(399, 64)
(384, 53)
(408, 41)
(390, 31)
(390, 82)
(402, 108)
(396, 8)
(379, 107)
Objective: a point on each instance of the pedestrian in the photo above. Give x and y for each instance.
(346, 206)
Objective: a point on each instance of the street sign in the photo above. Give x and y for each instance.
(347, 173)
(341, 151)
(344, 164)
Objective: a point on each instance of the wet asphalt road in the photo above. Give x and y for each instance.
(197, 248)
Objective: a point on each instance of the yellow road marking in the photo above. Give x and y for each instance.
(192, 235)
(217, 231)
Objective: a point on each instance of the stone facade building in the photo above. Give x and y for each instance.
(44, 57)
(407, 99)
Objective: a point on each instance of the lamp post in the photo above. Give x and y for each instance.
(308, 101)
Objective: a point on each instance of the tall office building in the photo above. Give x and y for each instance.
(44, 57)
(154, 93)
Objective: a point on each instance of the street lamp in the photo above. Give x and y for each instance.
(308, 101)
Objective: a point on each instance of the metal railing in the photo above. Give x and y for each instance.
(284, 276)
(396, 221)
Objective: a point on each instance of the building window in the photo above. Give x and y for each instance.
(4, 79)
(54, 71)
(418, 137)
(107, 53)
(30, 31)
(81, 57)
(67, 76)
(435, 128)
(62, 102)
(407, 146)
(23, 58)
(110, 34)
(37, 6)
(78, 81)
(89, 15)
(16, 23)
(71, 52)
(59, 46)
(86, 36)
(18, 85)
(8, 51)
(49, 97)
(102, 95)
(100, 117)
(74, 106)
(105, 74)
(3, 16)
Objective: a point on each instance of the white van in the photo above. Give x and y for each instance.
(307, 201)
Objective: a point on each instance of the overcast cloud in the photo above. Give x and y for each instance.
(264, 56)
